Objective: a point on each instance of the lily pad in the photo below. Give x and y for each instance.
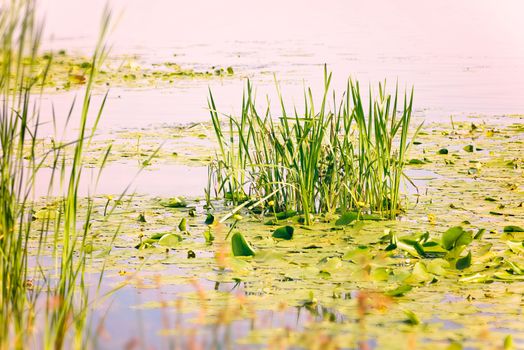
(347, 218)
(464, 262)
(284, 232)
(170, 240)
(239, 245)
(175, 202)
(455, 237)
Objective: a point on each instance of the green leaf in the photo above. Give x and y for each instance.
(399, 291)
(419, 274)
(208, 236)
(416, 162)
(412, 319)
(285, 214)
(516, 247)
(182, 226)
(469, 148)
(239, 245)
(284, 232)
(508, 342)
(210, 218)
(456, 237)
(141, 217)
(479, 234)
(412, 247)
(170, 240)
(464, 263)
(347, 218)
(443, 151)
(437, 267)
(512, 228)
(175, 202)
(514, 268)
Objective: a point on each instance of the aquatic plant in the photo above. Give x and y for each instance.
(25, 286)
(347, 158)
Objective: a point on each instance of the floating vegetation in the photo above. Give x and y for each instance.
(317, 161)
(63, 71)
(446, 274)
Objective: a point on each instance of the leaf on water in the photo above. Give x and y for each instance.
(380, 274)
(464, 263)
(356, 254)
(456, 237)
(175, 202)
(156, 236)
(438, 267)
(284, 232)
(239, 245)
(416, 162)
(399, 291)
(469, 148)
(141, 217)
(477, 278)
(208, 236)
(45, 214)
(371, 217)
(210, 218)
(516, 246)
(512, 228)
(443, 151)
(514, 268)
(479, 234)
(170, 240)
(419, 274)
(347, 218)
(182, 226)
(412, 247)
(412, 319)
(285, 214)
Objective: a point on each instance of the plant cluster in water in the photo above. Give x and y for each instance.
(63, 72)
(348, 158)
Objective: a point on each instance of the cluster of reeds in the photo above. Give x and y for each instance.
(35, 301)
(344, 155)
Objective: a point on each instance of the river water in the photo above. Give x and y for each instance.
(462, 57)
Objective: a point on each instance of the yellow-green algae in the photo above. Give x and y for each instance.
(64, 71)
(343, 276)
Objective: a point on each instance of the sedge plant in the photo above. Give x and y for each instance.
(341, 155)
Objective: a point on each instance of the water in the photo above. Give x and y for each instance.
(462, 57)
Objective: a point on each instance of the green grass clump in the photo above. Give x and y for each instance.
(39, 307)
(344, 155)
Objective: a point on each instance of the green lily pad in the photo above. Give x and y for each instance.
(512, 228)
(210, 218)
(347, 218)
(469, 148)
(284, 232)
(456, 237)
(399, 291)
(464, 263)
(170, 240)
(182, 226)
(175, 202)
(239, 245)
